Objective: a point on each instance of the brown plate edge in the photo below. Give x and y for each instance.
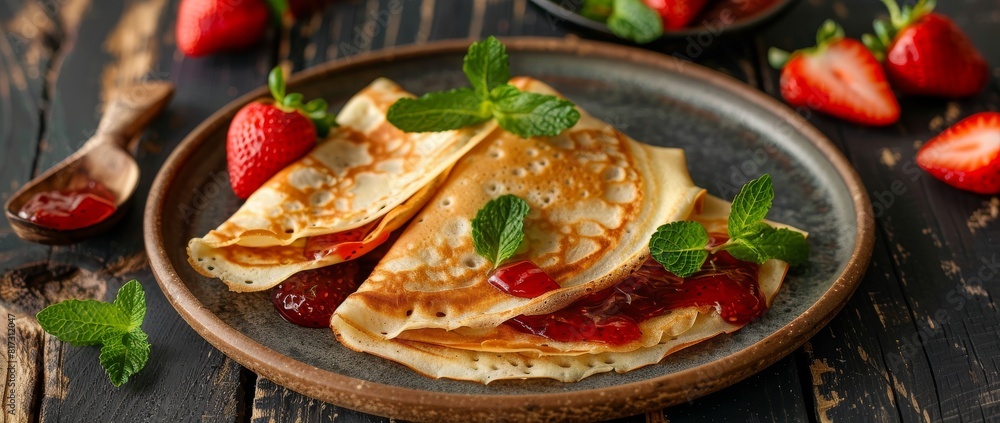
(615, 401)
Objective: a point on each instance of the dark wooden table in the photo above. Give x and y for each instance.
(919, 341)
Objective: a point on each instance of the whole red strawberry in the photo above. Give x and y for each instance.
(211, 26)
(838, 76)
(265, 136)
(676, 14)
(308, 298)
(925, 53)
(967, 155)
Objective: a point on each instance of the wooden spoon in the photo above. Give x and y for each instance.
(103, 158)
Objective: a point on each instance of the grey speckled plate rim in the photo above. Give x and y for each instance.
(602, 403)
(556, 9)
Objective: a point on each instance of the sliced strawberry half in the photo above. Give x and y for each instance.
(839, 77)
(967, 155)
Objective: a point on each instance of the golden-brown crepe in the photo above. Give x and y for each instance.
(366, 176)
(486, 355)
(596, 197)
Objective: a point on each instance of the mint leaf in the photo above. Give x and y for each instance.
(771, 243)
(597, 10)
(498, 228)
(531, 114)
(633, 20)
(680, 247)
(118, 326)
(438, 111)
(750, 205)
(82, 322)
(486, 66)
(123, 355)
(132, 302)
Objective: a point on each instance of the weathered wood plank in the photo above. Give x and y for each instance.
(773, 395)
(22, 367)
(275, 404)
(25, 56)
(918, 341)
(186, 379)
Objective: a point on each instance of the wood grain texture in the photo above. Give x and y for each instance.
(918, 342)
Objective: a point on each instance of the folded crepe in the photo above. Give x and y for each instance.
(344, 198)
(596, 197)
(501, 352)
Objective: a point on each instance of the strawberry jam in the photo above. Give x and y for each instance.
(308, 298)
(347, 244)
(522, 279)
(70, 209)
(613, 315)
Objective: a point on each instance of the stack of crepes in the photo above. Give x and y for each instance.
(596, 197)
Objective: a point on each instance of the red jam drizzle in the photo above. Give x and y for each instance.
(348, 244)
(308, 298)
(522, 279)
(614, 314)
(70, 209)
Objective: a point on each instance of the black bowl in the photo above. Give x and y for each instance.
(720, 17)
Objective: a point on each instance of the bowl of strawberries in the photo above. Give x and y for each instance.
(644, 21)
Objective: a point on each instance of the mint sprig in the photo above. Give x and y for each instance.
(682, 247)
(116, 326)
(498, 228)
(486, 66)
(633, 20)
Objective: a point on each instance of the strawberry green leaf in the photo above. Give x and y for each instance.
(276, 83)
(777, 58)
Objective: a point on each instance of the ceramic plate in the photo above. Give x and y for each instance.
(719, 17)
(731, 132)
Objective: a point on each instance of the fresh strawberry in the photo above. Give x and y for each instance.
(676, 14)
(308, 298)
(925, 53)
(967, 155)
(210, 26)
(838, 76)
(265, 136)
